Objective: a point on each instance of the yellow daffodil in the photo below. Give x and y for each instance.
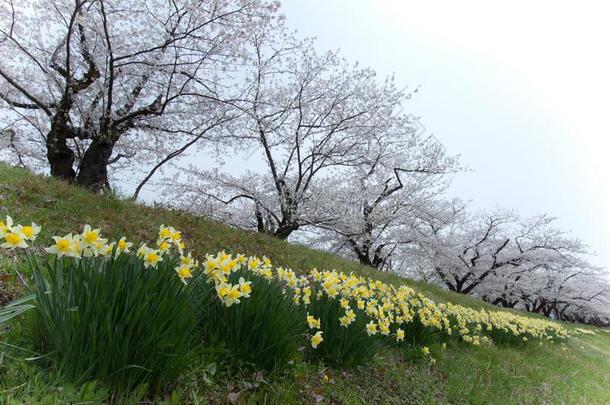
(107, 250)
(30, 232)
(245, 287)
(64, 246)
(316, 339)
(187, 260)
(348, 318)
(384, 327)
(400, 335)
(122, 246)
(176, 236)
(14, 239)
(6, 227)
(313, 322)
(371, 328)
(253, 263)
(91, 237)
(164, 233)
(163, 247)
(229, 294)
(184, 272)
(151, 258)
(142, 250)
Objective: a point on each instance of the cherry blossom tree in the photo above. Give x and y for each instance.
(91, 82)
(375, 209)
(305, 116)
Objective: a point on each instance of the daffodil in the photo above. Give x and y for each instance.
(91, 237)
(14, 239)
(142, 250)
(187, 260)
(344, 321)
(77, 246)
(244, 287)
(164, 233)
(235, 294)
(6, 227)
(400, 335)
(30, 232)
(348, 318)
(64, 246)
(242, 259)
(151, 258)
(229, 294)
(107, 250)
(176, 236)
(316, 339)
(122, 246)
(384, 327)
(371, 328)
(99, 248)
(163, 247)
(425, 350)
(253, 263)
(313, 322)
(184, 272)
(307, 295)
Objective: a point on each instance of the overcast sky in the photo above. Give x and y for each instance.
(519, 89)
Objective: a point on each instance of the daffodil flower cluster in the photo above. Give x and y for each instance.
(90, 243)
(582, 331)
(390, 309)
(387, 309)
(14, 236)
(219, 268)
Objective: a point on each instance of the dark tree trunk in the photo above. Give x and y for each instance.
(284, 230)
(60, 156)
(365, 260)
(363, 253)
(93, 171)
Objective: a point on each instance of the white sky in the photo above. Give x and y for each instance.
(520, 89)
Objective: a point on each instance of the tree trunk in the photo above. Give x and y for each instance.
(93, 171)
(365, 260)
(60, 156)
(284, 230)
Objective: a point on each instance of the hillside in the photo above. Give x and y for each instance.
(577, 372)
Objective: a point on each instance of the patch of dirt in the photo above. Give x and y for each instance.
(8, 291)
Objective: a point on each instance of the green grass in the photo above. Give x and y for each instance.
(577, 372)
(115, 320)
(265, 329)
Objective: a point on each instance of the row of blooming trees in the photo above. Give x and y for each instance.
(94, 90)
(514, 262)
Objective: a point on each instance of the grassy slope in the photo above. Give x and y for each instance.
(577, 373)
